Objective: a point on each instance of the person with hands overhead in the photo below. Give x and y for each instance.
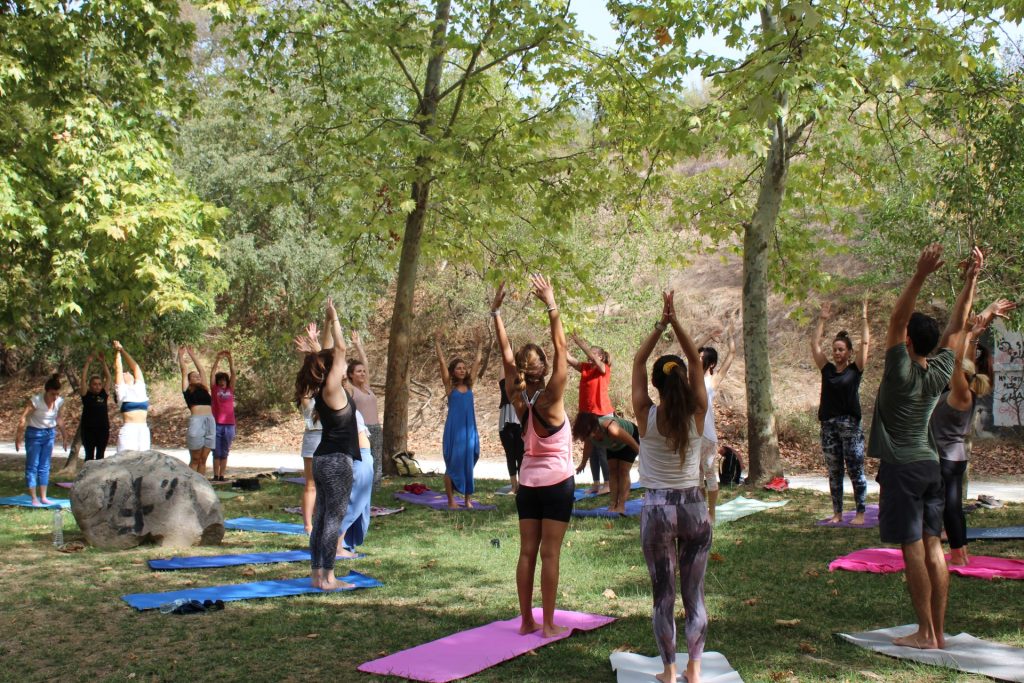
(202, 428)
(95, 422)
(675, 529)
(132, 401)
(594, 399)
(909, 476)
(713, 376)
(40, 421)
(223, 384)
(842, 441)
(461, 441)
(309, 344)
(366, 404)
(544, 498)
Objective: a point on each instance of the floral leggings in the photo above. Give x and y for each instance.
(842, 442)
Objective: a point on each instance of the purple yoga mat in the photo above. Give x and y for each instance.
(66, 484)
(870, 519)
(301, 481)
(437, 500)
(890, 560)
(466, 653)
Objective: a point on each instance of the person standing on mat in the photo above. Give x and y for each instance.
(595, 376)
(322, 376)
(95, 422)
(842, 440)
(357, 519)
(461, 442)
(132, 401)
(366, 404)
(951, 422)
(675, 529)
(911, 502)
(546, 481)
(223, 406)
(617, 436)
(713, 376)
(310, 342)
(511, 434)
(40, 421)
(202, 428)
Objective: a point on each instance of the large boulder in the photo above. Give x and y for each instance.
(145, 497)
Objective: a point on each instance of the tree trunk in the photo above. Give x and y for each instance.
(73, 463)
(396, 390)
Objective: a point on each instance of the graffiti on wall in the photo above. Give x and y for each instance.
(1008, 390)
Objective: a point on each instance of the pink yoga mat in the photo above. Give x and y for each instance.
(466, 653)
(890, 560)
(66, 484)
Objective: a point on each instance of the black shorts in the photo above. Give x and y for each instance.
(910, 501)
(626, 454)
(512, 441)
(547, 502)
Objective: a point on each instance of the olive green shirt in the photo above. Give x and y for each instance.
(906, 397)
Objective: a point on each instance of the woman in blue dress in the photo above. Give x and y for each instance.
(461, 446)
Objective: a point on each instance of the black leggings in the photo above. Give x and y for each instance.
(333, 475)
(953, 518)
(95, 443)
(512, 442)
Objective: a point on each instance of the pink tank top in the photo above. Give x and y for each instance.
(548, 460)
(223, 403)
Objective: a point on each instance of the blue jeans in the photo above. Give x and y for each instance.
(225, 435)
(38, 450)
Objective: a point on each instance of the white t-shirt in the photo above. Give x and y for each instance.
(131, 393)
(361, 424)
(709, 417)
(659, 464)
(42, 416)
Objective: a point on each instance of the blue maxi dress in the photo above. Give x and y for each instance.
(357, 516)
(461, 445)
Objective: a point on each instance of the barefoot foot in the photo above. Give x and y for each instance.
(837, 518)
(552, 630)
(528, 626)
(917, 640)
(858, 519)
(346, 554)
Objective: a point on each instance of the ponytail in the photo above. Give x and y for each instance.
(530, 362)
(979, 383)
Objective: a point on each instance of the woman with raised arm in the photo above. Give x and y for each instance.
(202, 428)
(595, 376)
(40, 421)
(366, 404)
(675, 529)
(461, 442)
(223, 384)
(95, 422)
(309, 344)
(132, 401)
(951, 423)
(322, 376)
(546, 481)
(842, 440)
(713, 376)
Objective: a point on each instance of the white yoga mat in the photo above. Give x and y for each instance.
(963, 652)
(741, 507)
(634, 668)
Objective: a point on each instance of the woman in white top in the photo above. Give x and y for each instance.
(313, 338)
(366, 403)
(713, 376)
(43, 418)
(132, 401)
(674, 526)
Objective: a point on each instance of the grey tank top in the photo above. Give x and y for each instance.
(949, 428)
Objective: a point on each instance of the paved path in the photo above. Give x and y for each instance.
(1007, 490)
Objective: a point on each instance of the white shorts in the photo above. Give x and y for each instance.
(708, 454)
(202, 432)
(133, 436)
(310, 440)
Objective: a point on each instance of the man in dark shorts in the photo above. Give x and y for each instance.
(911, 498)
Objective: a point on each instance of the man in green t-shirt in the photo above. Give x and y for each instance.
(911, 500)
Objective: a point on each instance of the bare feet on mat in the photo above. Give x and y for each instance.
(346, 554)
(315, 579)
(918, 640)
(554, 630)
(668, 675)
(958, 556)
(603, 490)
(45, 501)
(333, 583)
(692, 674)
(837, 518)
(528, 626)
(469, 503)
(36, 503)
(858, 519)
(309, 529)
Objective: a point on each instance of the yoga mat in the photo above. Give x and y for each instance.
(245, 591)
(741, 507)
(582, 493)
(301, 481)
(266, 525)
(635, 668)
(633, 508)
(384, 512)
(469, 652)
(25, 501)
(963, 652)
(1007, 533)
(228, 495)
(890, 560)
(210, 561)
(870, 519)
(436, 500)
(66, 484)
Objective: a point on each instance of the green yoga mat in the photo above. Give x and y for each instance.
(227, 495)
(741, 507)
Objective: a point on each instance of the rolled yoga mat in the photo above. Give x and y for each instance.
(634, 668)
(1006, 533)
(740, 507)
(962, 652)
(436, 500)
(890, 560)
(870, 519)
(25, 501)
(245, 591)
(469, 652)
(269, 526)
(210, 561)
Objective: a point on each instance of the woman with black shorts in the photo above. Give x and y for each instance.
(617, 436)
(546, 481)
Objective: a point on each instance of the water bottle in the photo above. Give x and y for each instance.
(169, 607)
(58, 527)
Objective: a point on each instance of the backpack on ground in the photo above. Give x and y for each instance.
(731, 470)
(406, 464)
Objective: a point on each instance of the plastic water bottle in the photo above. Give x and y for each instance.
(58, 527)
(169, 607)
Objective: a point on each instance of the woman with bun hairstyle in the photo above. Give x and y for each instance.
(40, 421)
(544, 498)
(460, 443)
(675, 529)
(842, 441)
(95, 422)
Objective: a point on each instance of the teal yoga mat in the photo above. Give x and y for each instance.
(269, 526)
(741, 507)
(25, 501)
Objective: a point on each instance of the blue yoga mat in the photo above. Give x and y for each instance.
(244, 591)
(210, 561)
(633, 508)
(581, 493)
(25, 501)
(267, 525)
(1006, 533)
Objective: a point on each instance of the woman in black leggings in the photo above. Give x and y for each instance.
(95, 424)
(321, 378)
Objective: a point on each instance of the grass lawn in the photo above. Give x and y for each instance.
(61, 617)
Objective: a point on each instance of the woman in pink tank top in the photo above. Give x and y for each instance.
(546, 479)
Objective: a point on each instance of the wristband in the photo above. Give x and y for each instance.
(551, 308)
(496, 312)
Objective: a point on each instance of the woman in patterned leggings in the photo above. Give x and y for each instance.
(674, 526)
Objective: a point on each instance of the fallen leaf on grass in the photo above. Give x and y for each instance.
(248, 571)
(807, 648)
(787, 622)
(610, 594)
(312, 636)
(608, 525)
(429, 565)
(738, 541)
(779, 676)
(750, 601)
(813, 573)
(106, 569)
(872, 675)
(717, 557)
